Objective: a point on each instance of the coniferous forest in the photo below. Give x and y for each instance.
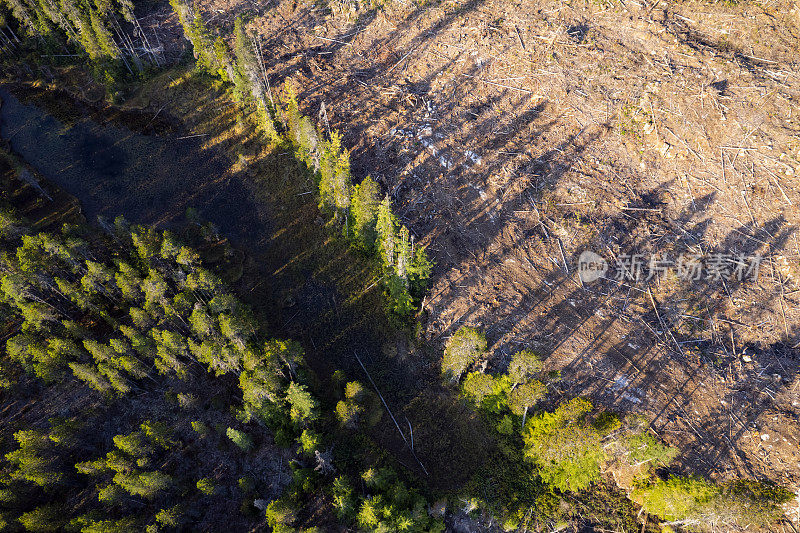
(144, 388)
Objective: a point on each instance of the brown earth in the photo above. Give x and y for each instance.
(512, 136)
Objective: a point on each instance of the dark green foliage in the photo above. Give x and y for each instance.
(89, 30)
(607, 508)
(142, 311)
(387, 505)
(369, 223)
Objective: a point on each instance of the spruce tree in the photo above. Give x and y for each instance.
(386, 228)
(364, 210)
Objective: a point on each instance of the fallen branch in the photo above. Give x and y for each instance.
(526, 91)
(390, 413)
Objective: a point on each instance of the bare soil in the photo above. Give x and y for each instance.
(512, 136)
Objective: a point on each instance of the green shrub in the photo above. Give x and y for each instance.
(279, 513)
(477, 386)
(359, 407)
(206, 485)
(309, 441)
(676, 498)
(699, 504)
(465, 347)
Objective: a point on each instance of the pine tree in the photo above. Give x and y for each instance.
(111, 493)
(155, 288)
(170, 517)
(245, 78)
(240, 438)
(187, 257)
(359, 407)
(200, 428)
(403, 255)
(171, 349)
(210, 56)
(129, 281)
(419, 271)
(146, 241)
(170, 247)
(90, 374)
(343, 498)
(43, 519)
(309, 442)
(259, 384)
(364, 210)
(145, 484)
(202, 324)
(63, 431)
(334, 170)
(30, 461)
(477, 386)
(307, 143)
(386, 229)
(19, 349)
(302, 404)
(91, 525)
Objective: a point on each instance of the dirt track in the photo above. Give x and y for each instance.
(512, 136)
